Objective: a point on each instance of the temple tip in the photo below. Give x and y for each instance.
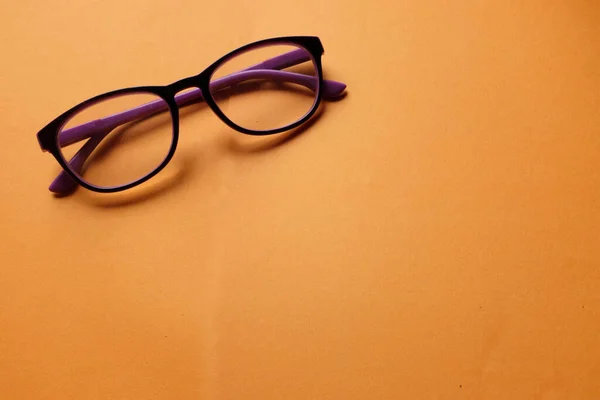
(333, 89)
(63, 185)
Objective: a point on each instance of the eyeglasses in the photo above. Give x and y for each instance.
(117, 140)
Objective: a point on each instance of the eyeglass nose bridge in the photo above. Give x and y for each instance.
(186, 83)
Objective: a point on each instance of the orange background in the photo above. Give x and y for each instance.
(435, 234)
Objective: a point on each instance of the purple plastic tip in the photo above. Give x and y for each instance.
(63, 184)
(333, 89)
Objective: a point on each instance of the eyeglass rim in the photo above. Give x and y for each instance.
(174, 114)
(254, 46)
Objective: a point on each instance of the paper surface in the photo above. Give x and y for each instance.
(432, 235)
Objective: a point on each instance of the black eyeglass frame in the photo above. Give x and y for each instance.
(48, 136)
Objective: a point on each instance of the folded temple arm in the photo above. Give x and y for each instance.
(97, 130)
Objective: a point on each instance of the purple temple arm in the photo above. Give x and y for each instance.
(98, 129)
